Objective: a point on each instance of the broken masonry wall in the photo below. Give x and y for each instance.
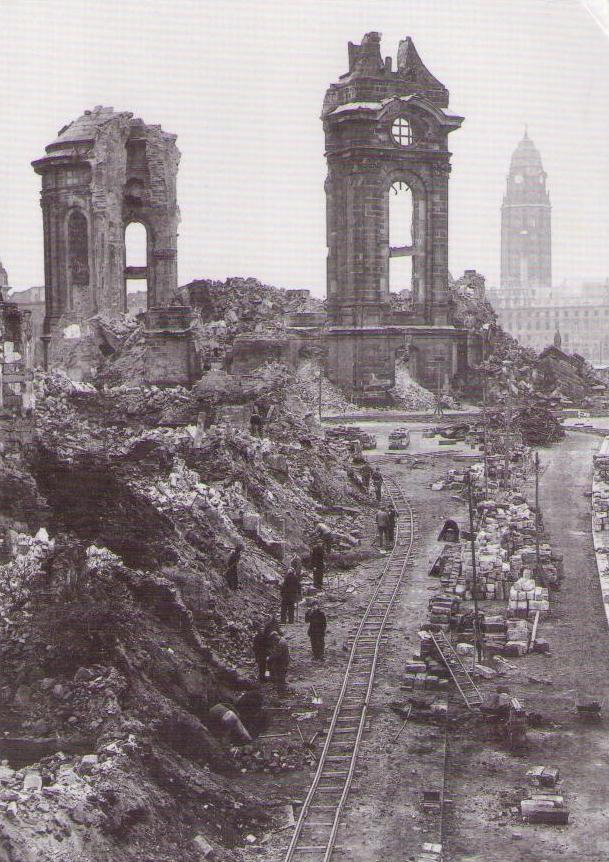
(105, 171)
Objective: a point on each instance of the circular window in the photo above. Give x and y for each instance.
(402, 132)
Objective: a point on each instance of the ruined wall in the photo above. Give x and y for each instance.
(104, 171)
(383, 128)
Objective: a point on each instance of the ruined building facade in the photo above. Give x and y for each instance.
(104, 172)
(386, 134)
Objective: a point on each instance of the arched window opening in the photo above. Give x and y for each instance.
(78, 249)
(401, 215)
(136, 268)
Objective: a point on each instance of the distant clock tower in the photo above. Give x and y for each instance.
(526, 231)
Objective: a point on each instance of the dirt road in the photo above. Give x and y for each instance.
(485, 781)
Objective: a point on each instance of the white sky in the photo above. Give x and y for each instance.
(242, 81)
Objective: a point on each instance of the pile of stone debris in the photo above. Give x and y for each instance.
(112, 630)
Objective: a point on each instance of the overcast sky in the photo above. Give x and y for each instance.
(241, 82)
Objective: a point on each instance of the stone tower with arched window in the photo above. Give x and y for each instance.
(386, 134)
(103, 172)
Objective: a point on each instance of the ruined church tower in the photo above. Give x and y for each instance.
(386, 133)
(526, 230)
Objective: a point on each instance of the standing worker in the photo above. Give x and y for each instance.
(232, 566)
(393, 520)
(382, 525)
(279, 660)
(377, 481)
(366, 473)
(256, 422)
(318, 554)
(290, 593)
(317, 621)
(261, 649)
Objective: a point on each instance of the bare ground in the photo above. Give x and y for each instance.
(485, 781)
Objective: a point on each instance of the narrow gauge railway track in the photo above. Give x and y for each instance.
(314, 837)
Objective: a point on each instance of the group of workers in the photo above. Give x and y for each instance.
(372, 476)
(270, 647)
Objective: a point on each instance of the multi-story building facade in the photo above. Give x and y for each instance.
(526, 303)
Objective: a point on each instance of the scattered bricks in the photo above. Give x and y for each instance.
(484, 672)
(6, 774)
(414, 667)
(549, 810)
(543, 776)
(541, 646)
(32, 782)
(87, 764)
(409, 680)
(515, 648)
(419, 680)
(203, 847)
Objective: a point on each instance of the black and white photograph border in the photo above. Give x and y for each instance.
(304, 431)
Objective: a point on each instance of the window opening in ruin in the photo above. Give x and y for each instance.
(401, 215)
(401, 132)
(78, 249)
(136, 273)
(400, 274)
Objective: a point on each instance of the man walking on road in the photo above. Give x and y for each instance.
(316, 619)
(377, 481)
(382, 525)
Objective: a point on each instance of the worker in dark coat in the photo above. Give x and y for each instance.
(366, 474)
(382, 525)
(256, 422)
(226, 724)
(393, 520)
(316, 619)
(261, 648)
(377, 481)
(279, 661)
(232, 567)
(318, 555)
(290, 593)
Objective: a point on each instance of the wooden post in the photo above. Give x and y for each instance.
(477, 639)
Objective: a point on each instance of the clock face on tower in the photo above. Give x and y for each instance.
(518, 178)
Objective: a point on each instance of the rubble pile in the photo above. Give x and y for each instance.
(119, 632)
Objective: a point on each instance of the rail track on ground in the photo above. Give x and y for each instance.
(315, 832)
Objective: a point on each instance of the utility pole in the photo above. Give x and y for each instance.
(477, 638)
(537, 551)
(507, 441)
(484, 431)
(321, 374)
